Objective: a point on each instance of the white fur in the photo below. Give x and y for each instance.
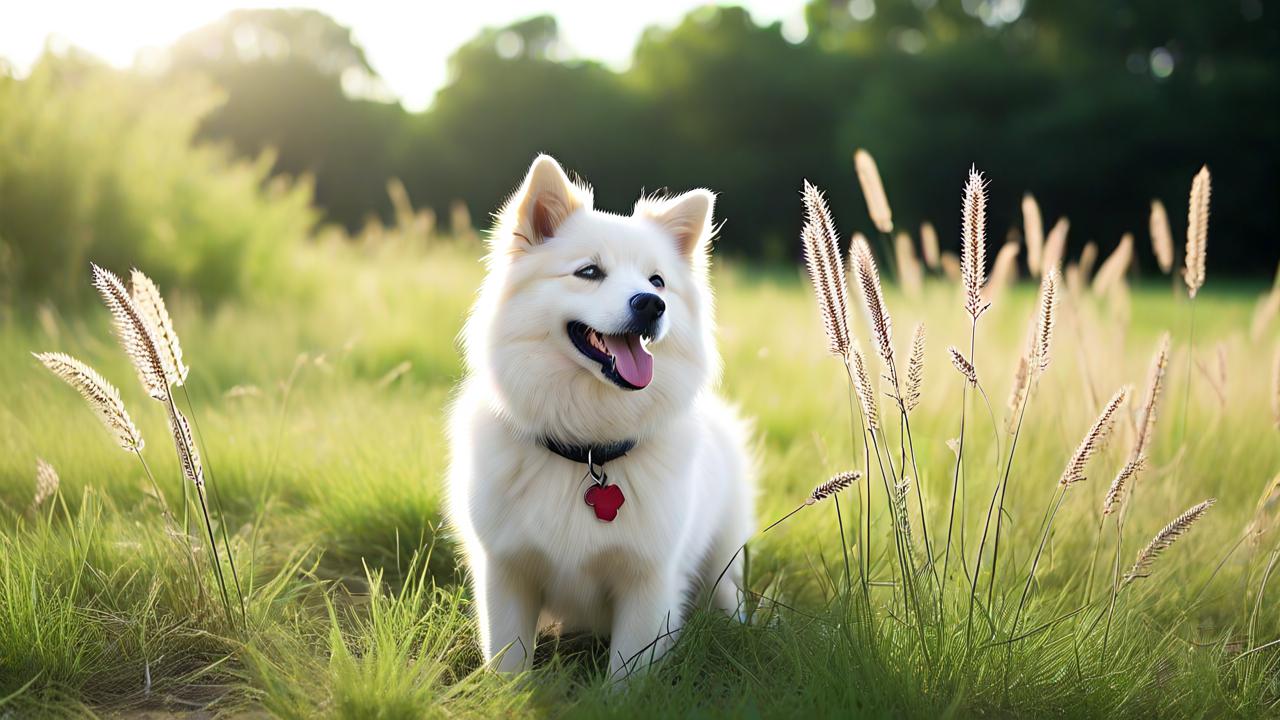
(536, 552)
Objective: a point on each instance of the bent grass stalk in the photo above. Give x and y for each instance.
(828, 489)
(1147, 556)
(1164, 539)
(1112, 503)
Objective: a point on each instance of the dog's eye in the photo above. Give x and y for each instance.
(590, 272)
(657, 281)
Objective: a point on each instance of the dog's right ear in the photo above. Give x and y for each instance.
(546, 198)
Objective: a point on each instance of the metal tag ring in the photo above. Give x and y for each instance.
(596, 471)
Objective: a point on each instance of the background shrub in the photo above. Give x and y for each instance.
(97, 164)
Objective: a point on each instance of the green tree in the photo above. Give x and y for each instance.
(296, 81)
(737, 108)
(510, 99)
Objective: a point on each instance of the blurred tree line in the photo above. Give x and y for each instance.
(99, 165)
(1095, 107)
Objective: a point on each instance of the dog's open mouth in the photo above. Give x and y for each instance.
(623, 358)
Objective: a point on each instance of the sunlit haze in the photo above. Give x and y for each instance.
(408, 44)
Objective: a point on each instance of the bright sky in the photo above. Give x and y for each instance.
(406, 42)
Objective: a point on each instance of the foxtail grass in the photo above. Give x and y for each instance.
(1115, 493)
(147, 297)
(963, 366)
(1264, 313)
(826, 270)
(47, 483)
(1004, 272)
(1045, 320)
(1165, 539)
(1114, 267)
(1161, 237)
(1031, 366)
(910, 272)
(838, 482)
(823, 259)
(103, 398)
(873, 191)
(1092, 440)
(1033, 232)
(868, 280)
(1197, 231)
(865, 392)
(929, 249)
(1055, 246)
(1275, 387)
(881, 325)
(1072, 474)
(157, 373)
(973, 270)
(1151, 402)
(973, 248)
(1194, 275)
(1017, 391)
(915, 371)
(1088, 257)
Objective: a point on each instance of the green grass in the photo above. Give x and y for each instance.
(328, 466)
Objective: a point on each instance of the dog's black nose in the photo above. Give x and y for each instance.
(646, 308)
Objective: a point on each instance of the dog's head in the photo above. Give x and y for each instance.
(592, 325)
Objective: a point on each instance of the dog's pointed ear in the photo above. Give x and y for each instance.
(686, 217)
(546, 198)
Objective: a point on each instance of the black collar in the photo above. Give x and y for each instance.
(599, 453)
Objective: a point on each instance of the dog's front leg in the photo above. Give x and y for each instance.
(647, 616)
(508, 612)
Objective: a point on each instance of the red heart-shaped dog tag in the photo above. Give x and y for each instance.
(605, 500)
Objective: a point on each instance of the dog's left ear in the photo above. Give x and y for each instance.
(545, 199)
(686, 217)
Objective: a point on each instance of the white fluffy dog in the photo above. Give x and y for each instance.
(596, 481)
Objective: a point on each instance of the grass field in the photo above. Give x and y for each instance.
(321, 419)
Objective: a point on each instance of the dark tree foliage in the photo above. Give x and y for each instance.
(485, 127)
(1095, 107)
(289, 78)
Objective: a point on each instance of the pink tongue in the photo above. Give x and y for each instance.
(632, 361)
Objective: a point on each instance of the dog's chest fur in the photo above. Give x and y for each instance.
(526, 506)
